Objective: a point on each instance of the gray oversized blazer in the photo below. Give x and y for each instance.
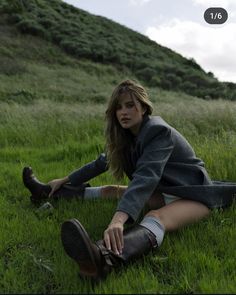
(161, 159)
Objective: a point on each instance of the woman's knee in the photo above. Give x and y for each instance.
(157, 213)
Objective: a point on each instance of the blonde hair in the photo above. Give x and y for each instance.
(118, 140)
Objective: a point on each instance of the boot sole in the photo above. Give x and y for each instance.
(78, 246)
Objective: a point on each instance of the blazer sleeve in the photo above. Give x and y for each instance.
(155, 151)
(89, 170)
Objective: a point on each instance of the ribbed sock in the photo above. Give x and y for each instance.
(155, 226)
(93, 192)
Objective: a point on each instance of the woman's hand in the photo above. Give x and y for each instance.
(56, 184)
(113, 235)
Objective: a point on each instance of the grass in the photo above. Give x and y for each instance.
(57, 137)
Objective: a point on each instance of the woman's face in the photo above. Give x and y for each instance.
(129, 113)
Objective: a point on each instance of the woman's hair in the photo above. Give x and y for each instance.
(118, 140)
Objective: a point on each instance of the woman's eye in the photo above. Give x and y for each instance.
(130, 105)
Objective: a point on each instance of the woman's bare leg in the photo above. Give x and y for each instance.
(113, 191)
(180, 213)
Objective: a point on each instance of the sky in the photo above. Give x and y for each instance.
(180, 26)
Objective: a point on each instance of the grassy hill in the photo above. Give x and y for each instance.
(33, 68)
(103, 41)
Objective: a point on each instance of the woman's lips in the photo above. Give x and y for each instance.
(125, 120)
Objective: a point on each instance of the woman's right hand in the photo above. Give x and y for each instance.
(56, 184)
(113, 235)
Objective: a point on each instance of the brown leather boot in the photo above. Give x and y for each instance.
(40, 191)
(94, 259)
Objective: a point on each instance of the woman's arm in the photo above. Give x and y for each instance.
(156, 149)
(82, 174)
(89, 171)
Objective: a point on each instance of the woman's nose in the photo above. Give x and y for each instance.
(123, 111)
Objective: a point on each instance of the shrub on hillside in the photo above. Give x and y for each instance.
(79, 50)
(196, 78)
(188, 86)
(155, 81)
(14, 18)
(230, 89)
(47, 23)
(174, 80)
(146, 73)
(12, 6)
(193, 64)
(30, 26)
(210, 74)
(69, 46)
(231, 95)
(165, 84)
(180, 72)
(57, 37)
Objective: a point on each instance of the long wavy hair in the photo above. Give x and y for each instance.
(118, 139)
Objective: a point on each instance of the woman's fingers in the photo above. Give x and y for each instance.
(51, 192)
(113, 242)
(52, 188)
(55, 185)
(118, 238)
(107, 240)
(113, 238)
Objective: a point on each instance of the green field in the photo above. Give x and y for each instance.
(52, 118)
(55, 138)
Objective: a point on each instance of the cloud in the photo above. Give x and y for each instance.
(215, 3)
(138, 2)
(212, 47)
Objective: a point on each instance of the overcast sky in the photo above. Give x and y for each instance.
(179, 25)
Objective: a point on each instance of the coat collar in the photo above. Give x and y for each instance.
(134, 138)
(146, 118)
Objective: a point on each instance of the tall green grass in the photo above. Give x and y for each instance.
(56, 138)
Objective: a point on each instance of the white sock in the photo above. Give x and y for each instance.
(155, 226)
(93, 192)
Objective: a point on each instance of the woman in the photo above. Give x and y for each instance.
(165, 174)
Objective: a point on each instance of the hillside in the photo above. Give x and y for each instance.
(33, 68)
(92, 38)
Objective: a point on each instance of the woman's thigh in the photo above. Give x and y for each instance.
(180, 213)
